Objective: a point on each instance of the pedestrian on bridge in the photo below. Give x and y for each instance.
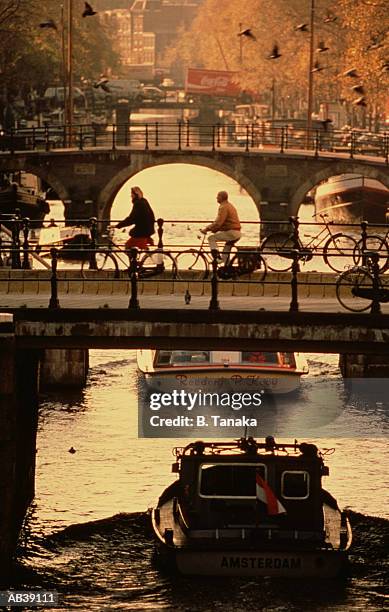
(225, 228)
(142, 218)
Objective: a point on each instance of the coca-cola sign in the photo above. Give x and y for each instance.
(211, 82)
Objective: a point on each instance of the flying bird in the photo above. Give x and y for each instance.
(50, 23)
(329, 18)
(302, 27)
(321, 47)
(359, 89)
(88, 10)
(317, 67)
(187, 297)
(247, 33)
(360, 101)
(275, 54)
(352, 73)
(72, 450)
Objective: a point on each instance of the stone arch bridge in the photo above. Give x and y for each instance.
(276, 181)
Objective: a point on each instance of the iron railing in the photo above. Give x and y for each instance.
(186, 135)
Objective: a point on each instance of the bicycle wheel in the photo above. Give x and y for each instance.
(276, 244)
(339, 252)
(376, 244)
(348, 283)
(105, 260)
(192, 264)
(158, 262)
(246, 264)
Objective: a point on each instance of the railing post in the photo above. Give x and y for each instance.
(134, 302)
(213, 138)
(294, 305)
(12, 140)
(54, 302)
(386, 145)
(296, 237)
(187, 133)
(47, 139)
(218, 135)
(286, 137)
(364, 226)
(156, 134)
(16, 263)
(375, 305)
(352, 144)
(214, 302)
(146, 137)
(282, 144)
(114, 127)
(93, 245)
(179, 135)
(160, 233)
(247, 148)
(33, 138)
(26, 230)
(81, 139)
(317, 143)
(94, 136)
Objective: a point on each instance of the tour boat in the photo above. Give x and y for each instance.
(275, 372)
(247, 508)
(352, 198)
(22, 196)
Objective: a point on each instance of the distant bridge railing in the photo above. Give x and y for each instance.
(190, 135)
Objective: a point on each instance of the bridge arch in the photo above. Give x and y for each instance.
(44, 172)
(109, 192)
(335, 169)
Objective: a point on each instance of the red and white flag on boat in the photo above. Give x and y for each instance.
(266, 495)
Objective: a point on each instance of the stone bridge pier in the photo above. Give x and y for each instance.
(88, 181)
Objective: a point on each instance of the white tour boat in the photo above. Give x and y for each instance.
(274, 371)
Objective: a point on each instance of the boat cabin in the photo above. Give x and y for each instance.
(224, 359)
(217, 487)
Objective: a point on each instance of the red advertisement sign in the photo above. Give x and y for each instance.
(211, 82)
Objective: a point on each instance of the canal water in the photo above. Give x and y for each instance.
(87, 534)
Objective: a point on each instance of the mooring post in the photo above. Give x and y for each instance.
(294, 305)
(214, 303)
(134, 302)
(375, 267)
(26, 230)
(54, 302)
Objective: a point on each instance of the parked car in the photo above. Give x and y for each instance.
(153, 93)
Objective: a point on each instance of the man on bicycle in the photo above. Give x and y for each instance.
(226, 227)
(143, 220)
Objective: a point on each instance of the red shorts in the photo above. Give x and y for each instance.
(139, 243)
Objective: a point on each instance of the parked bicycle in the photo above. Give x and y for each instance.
(241, 261)
(356, 288)
(338, 249)
(113, 256)
(374, 243)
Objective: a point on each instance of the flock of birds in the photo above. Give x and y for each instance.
(377, 42)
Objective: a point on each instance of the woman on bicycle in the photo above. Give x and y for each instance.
(142, 218)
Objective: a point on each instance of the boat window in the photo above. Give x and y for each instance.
(295, 485)
(179, 357)
(230, 480)
(260, 357)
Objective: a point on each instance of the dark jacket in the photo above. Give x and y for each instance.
(142, 218)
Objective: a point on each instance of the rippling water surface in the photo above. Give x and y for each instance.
(87, 533)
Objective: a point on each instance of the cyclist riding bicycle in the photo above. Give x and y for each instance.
(226, 227)
(142, 218)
